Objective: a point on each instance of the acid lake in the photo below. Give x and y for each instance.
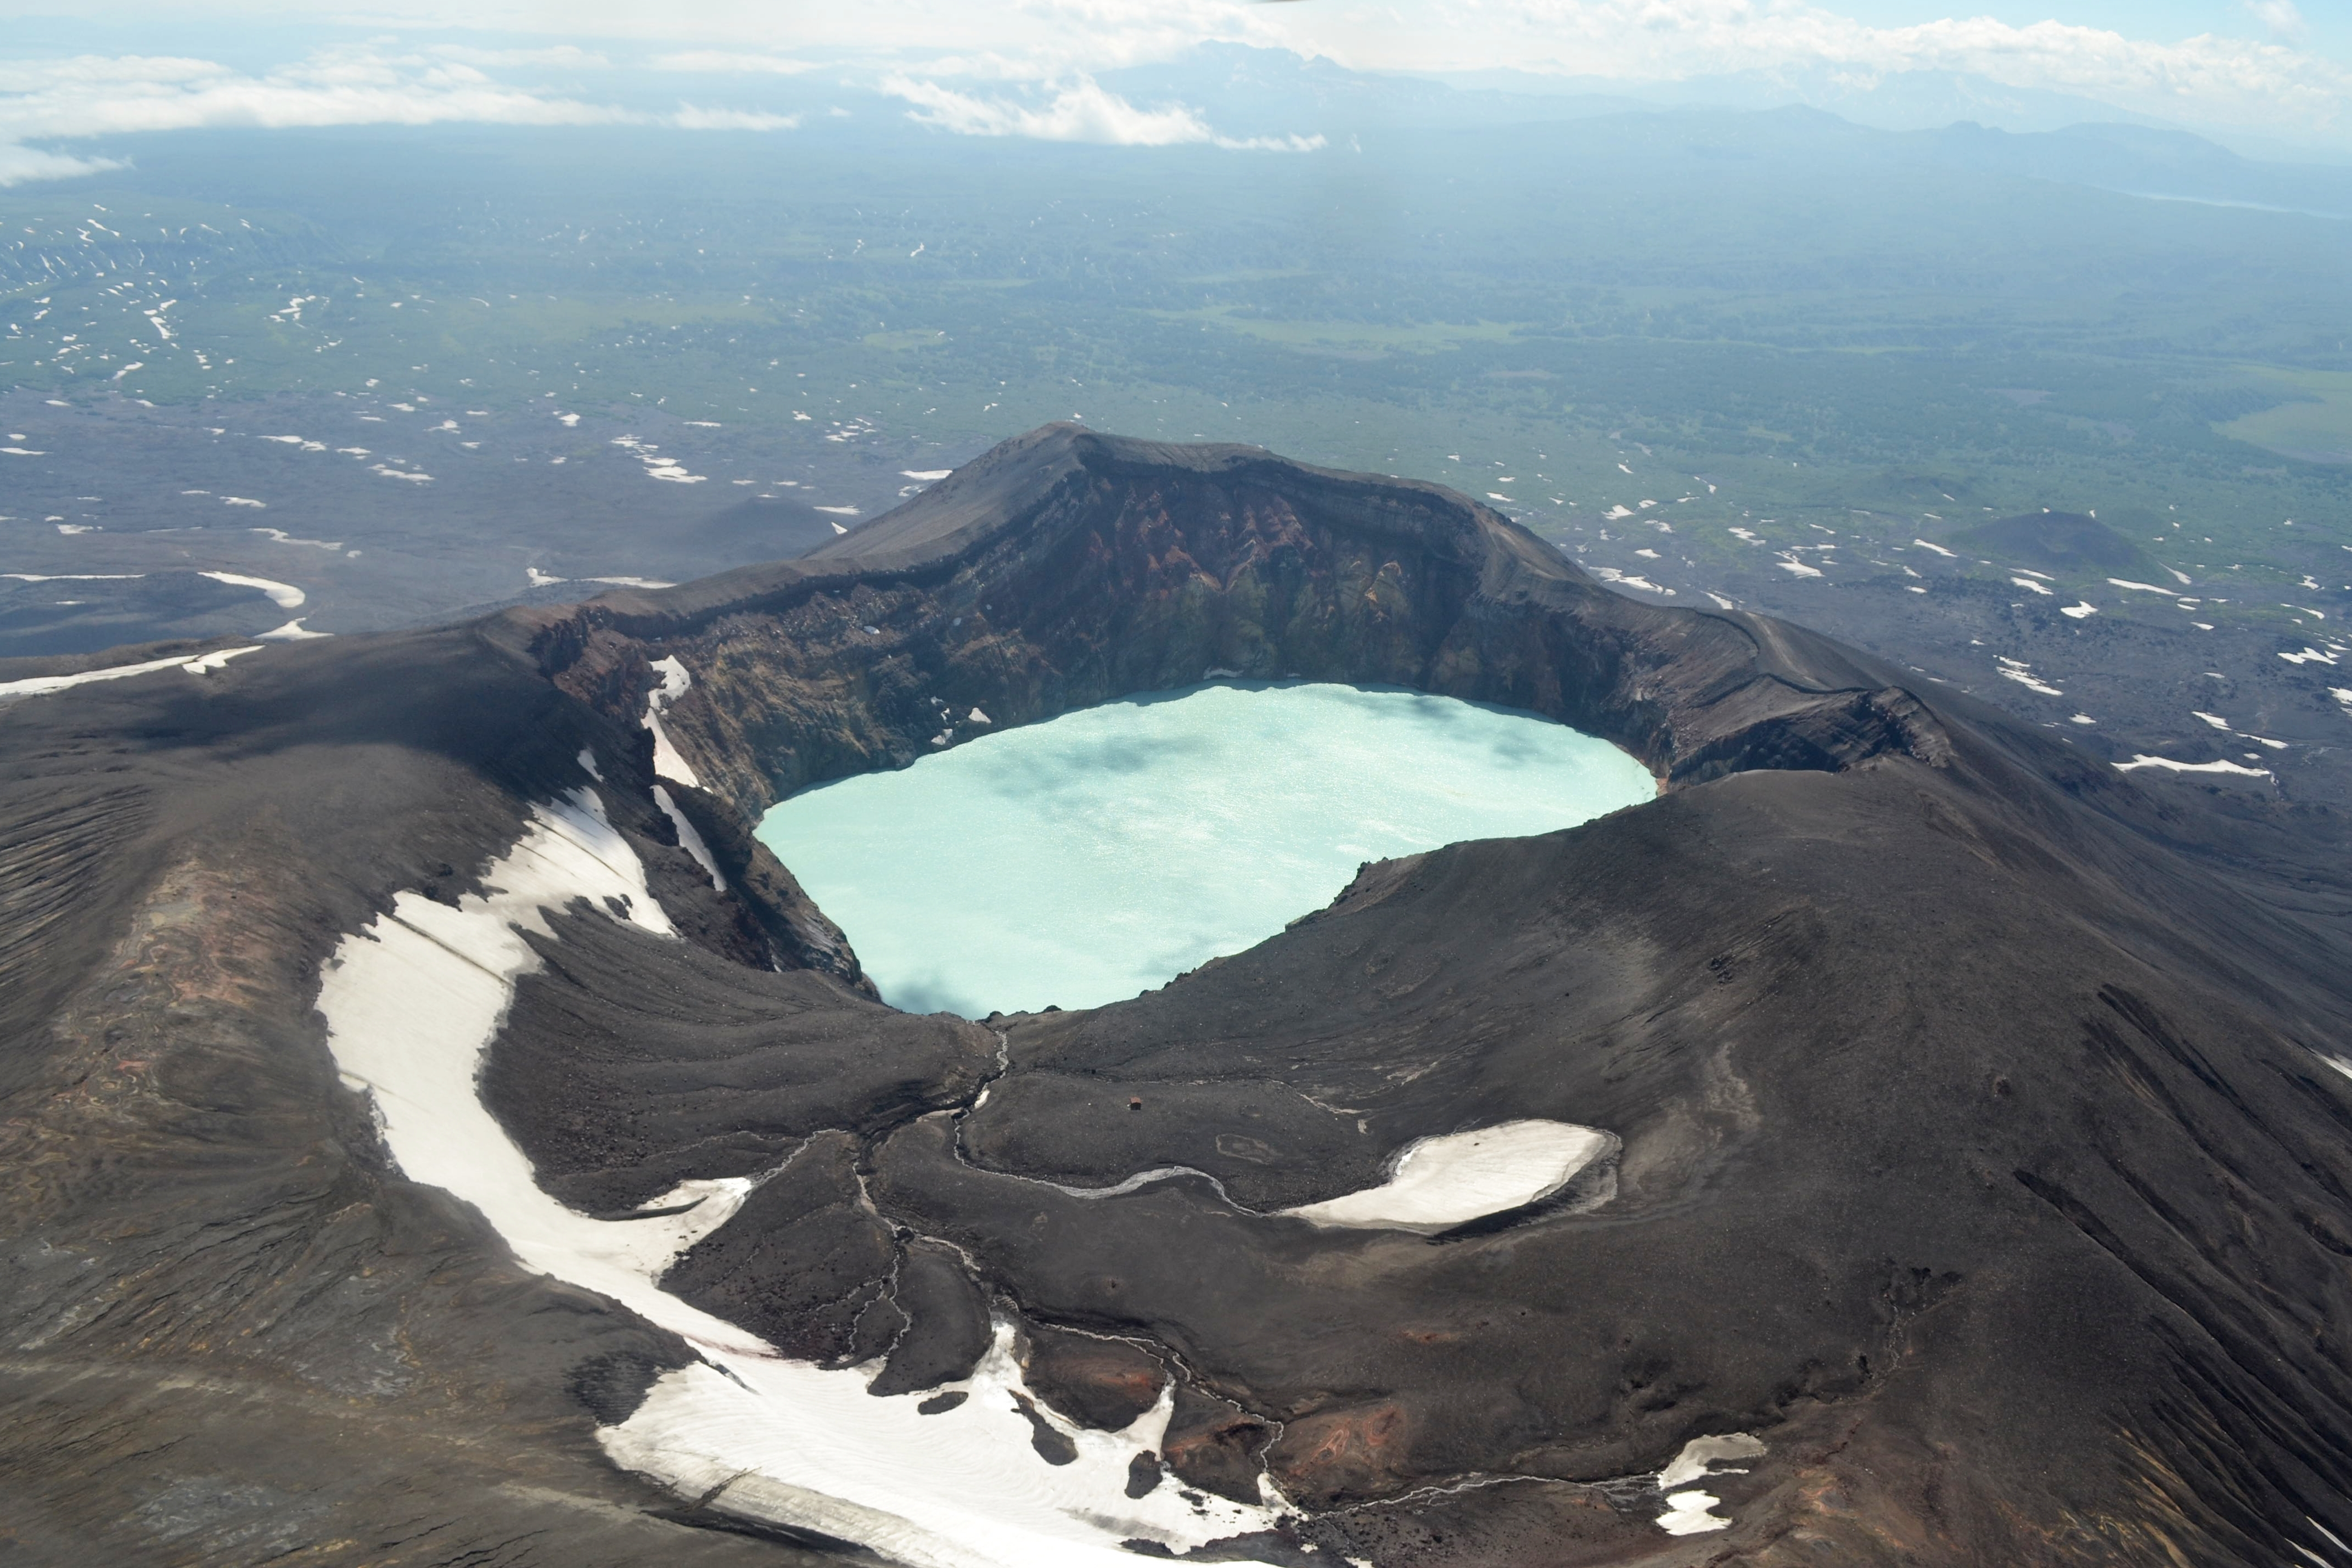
(1093, 856)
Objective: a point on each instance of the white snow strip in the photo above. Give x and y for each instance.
(280, 536)
(1439, 1183)
(1799, 569)
(688, 837)
(284, 595)
(2225, 765)
(2027, 679)
(72, 576)
(244, 501)
(2310, 655)
(1940, 549)
(292, 632)
(668, 763)
(41, 685)
(1610, 574)
(2028, 583)
(2139, 587)
(204, 664)
(2216, 720)
(927, 476)
(2078, 612)
(412, 1001)
(838, 511)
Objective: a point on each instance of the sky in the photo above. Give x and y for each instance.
(2276, 70)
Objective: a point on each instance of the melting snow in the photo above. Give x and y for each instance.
(2225, 765)
(412, 1001)
(1691, 1512)
(689, 837)
(42, 685)
(292, 632)
(2138, 587)
(1439, 1183)
(1610, 574)
(284, 595)
(2079, 611)
(667, 762)
(2028, 582)
(1940, 549)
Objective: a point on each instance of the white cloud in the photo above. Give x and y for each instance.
(18, 164)
(717, 61)
(689, 118)
(2206, 77)
(2285, 22)
(1078, 110)
(566, 55)
(92, 95)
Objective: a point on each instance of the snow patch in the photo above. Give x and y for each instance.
(1692, 1512)
(1439, 1183)
(668, 763)
(2225, 765)
(284, 595)
(292, 632)
(688, 838)
(42, 685)
(412, 1001)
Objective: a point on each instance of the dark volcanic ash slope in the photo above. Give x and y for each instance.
(1979, 1149)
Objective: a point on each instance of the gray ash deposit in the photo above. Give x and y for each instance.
(1972, 1177)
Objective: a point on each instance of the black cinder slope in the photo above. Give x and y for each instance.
(1980, 1145)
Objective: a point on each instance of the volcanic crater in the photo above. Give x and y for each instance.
(1971, 1160)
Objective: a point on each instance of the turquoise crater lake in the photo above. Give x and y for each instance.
(1099, 854)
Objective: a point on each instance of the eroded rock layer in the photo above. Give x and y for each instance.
(1978, 1146)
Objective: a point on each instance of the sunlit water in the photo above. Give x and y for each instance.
(1099, 854)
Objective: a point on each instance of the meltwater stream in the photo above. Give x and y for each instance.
(1091, 857)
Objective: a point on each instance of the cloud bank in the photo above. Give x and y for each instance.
(1079, 111)
(93, 95)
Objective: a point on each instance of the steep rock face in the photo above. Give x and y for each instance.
(1065, 569)
(1979, 1146)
